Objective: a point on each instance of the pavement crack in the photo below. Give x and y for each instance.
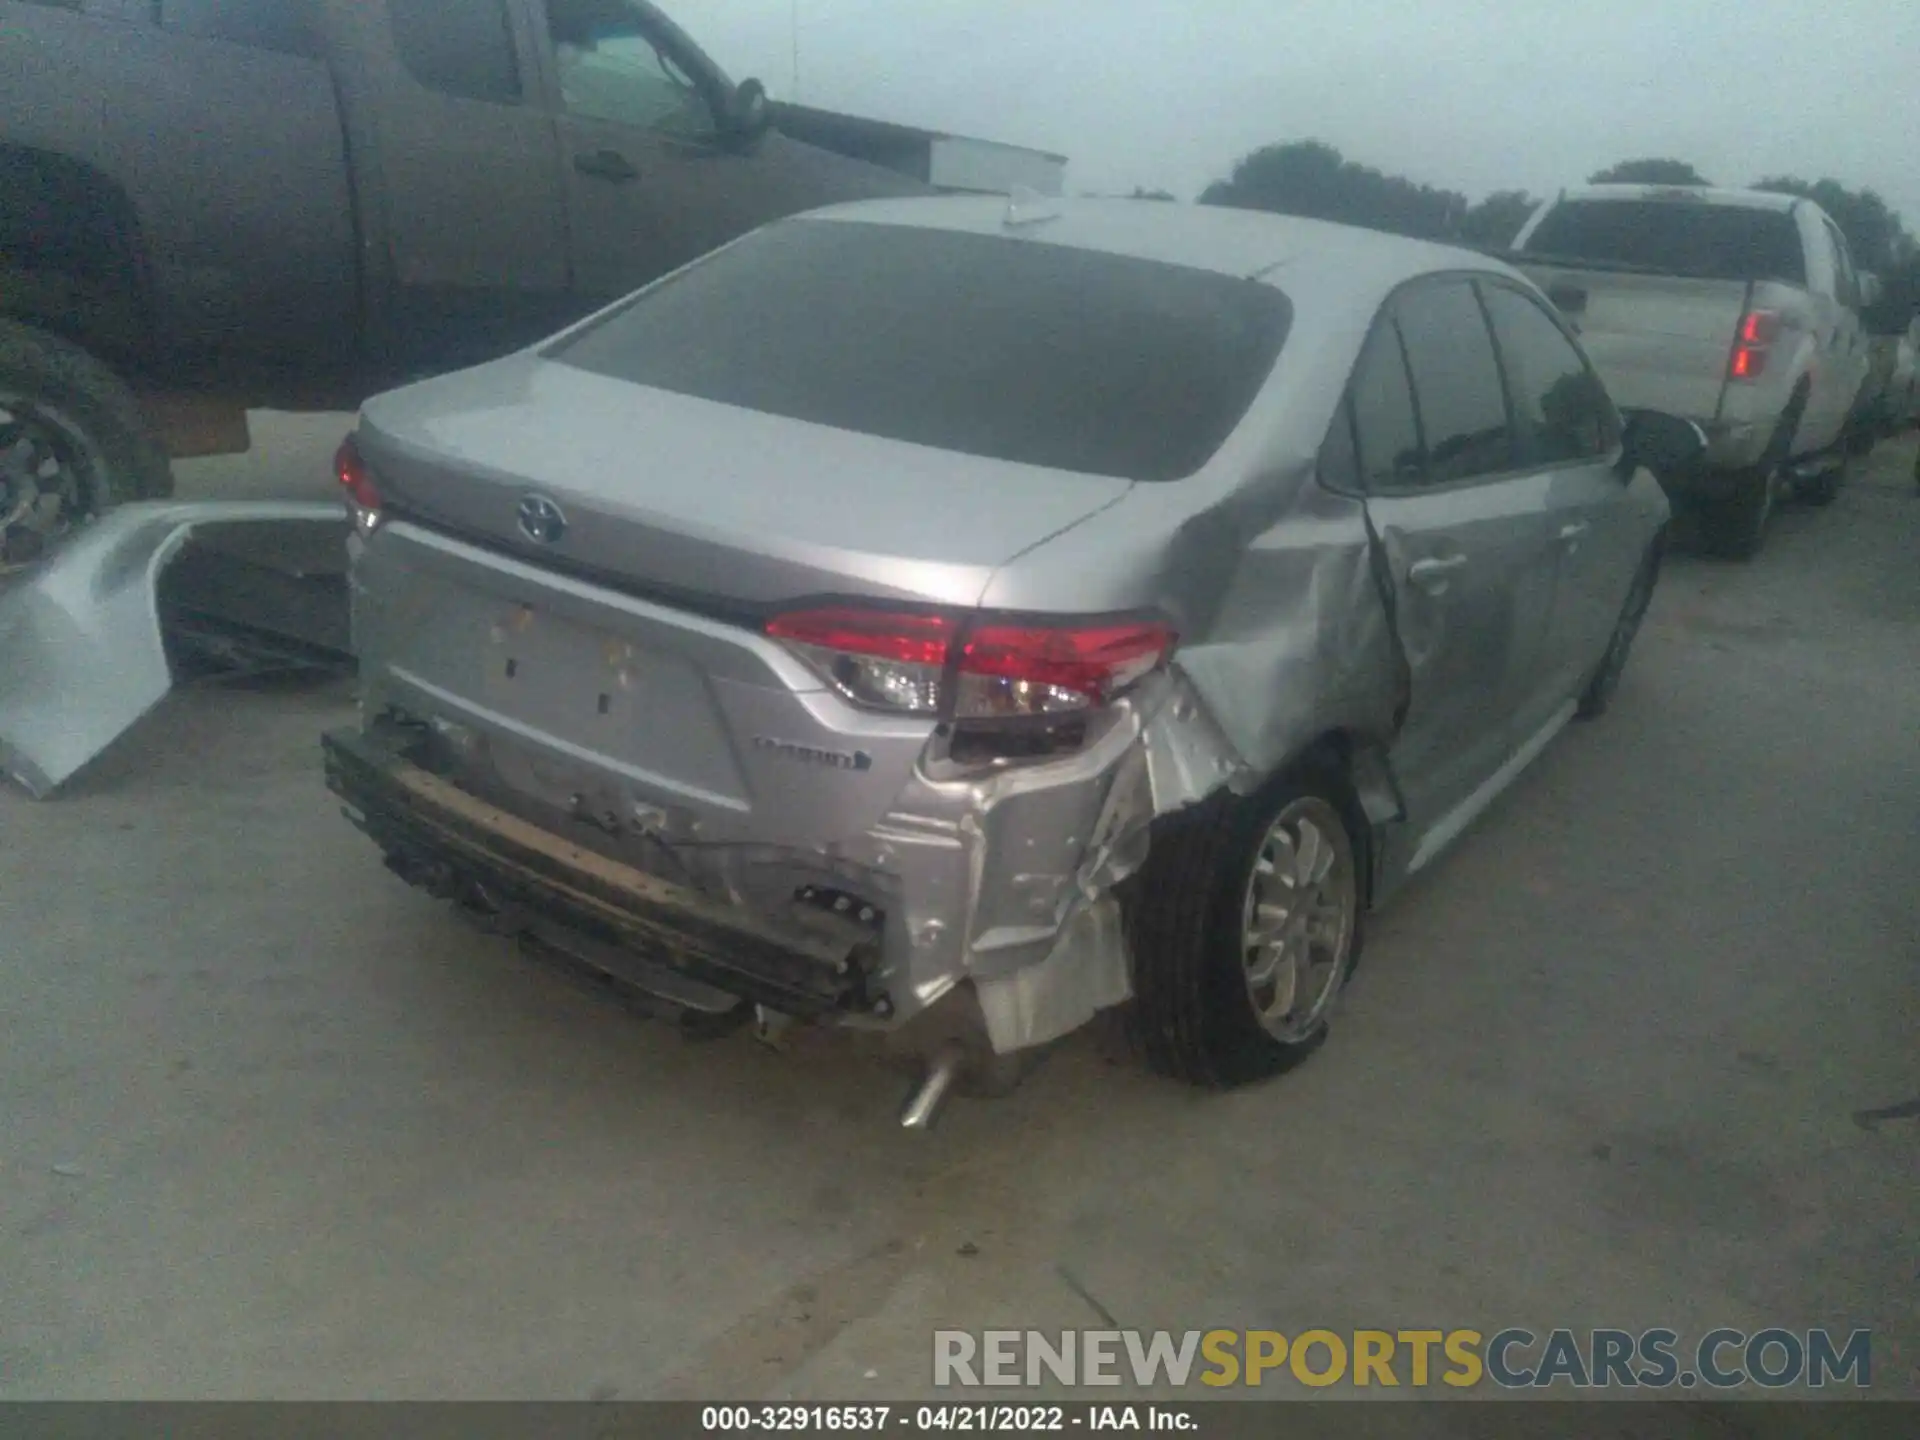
(1072, 1282)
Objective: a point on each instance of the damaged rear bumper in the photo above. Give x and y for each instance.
(89, 635)
(459, 847)
(993, 895)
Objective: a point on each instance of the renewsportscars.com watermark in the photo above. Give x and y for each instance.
(1512, 1359)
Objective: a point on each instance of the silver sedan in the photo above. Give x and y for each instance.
(953, 618)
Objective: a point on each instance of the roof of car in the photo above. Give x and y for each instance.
(1704, 194)
(1294, 253)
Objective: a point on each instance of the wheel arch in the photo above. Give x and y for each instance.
(1792, 416)
(73, 258)
(1360, 765)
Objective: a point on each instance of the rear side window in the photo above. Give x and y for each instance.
(1560, 409)
(1385, 431)
(285, 25)
(1456, 381)
(1003, 347)
(1675, 237)
(460, 47)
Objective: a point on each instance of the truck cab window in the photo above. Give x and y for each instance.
(460, 47)
(612, 68)
(284, 25)
(1846, 284)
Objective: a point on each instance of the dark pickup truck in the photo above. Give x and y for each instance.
(208, 206)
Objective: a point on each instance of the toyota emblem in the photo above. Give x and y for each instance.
(541, 520)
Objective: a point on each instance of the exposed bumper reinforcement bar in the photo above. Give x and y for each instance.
(440, 838)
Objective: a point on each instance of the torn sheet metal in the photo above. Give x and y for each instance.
(1302, 644)
(84, 636)
(1086, 972)
(998, 883)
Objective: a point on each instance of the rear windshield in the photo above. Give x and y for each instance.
(1676, 237)
(1008, 348)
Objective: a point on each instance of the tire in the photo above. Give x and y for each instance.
(1606, 680)
(1195, 1015)
(1736, 528)
(73, 442)
(1824, 488)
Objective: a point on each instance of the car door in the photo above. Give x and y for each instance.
(651, 183)
(1468, 560)
(474, 218)
(1567, 432)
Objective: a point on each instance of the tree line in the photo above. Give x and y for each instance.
(1313, 179)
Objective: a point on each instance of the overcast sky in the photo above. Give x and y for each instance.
(1476, 95)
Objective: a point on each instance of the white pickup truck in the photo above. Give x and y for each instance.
(1737, 309)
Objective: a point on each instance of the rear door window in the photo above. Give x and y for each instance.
(1004, 347)
(1386, 433)
(1675, 237)
(458, 47)
(1457, 390)
(1561, 411)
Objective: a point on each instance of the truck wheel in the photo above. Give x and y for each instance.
(1244, 925)
(1599, 692)
(1736, 527)
(1824, 488)
(73, 442)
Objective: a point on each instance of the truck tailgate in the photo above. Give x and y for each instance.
(1660, 342)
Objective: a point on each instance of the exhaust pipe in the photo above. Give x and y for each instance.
(923, 1106)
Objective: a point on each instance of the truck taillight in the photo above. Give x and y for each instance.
(998, 670)
(363, 495)
(1758, 330)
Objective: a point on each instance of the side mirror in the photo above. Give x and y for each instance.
(1664, 444)
(749, 115)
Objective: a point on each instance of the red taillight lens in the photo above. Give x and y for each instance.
(357, 480)
(889, 662)
(906, 639)
(898, 662)
(1038, 670)
(1758, 330)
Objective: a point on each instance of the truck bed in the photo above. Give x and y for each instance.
(1660, 341)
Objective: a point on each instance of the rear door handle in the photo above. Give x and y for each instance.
(606, 165)
(1431, 574)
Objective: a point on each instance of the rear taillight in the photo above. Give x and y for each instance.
(997, 670)
(1758, 330)
(363, 495)
(888, 662)
(1008, 670)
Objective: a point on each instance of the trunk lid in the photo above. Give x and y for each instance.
(1660, 342)
(669, 495)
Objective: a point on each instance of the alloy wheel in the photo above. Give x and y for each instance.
(1298, 921)
(50, 474)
